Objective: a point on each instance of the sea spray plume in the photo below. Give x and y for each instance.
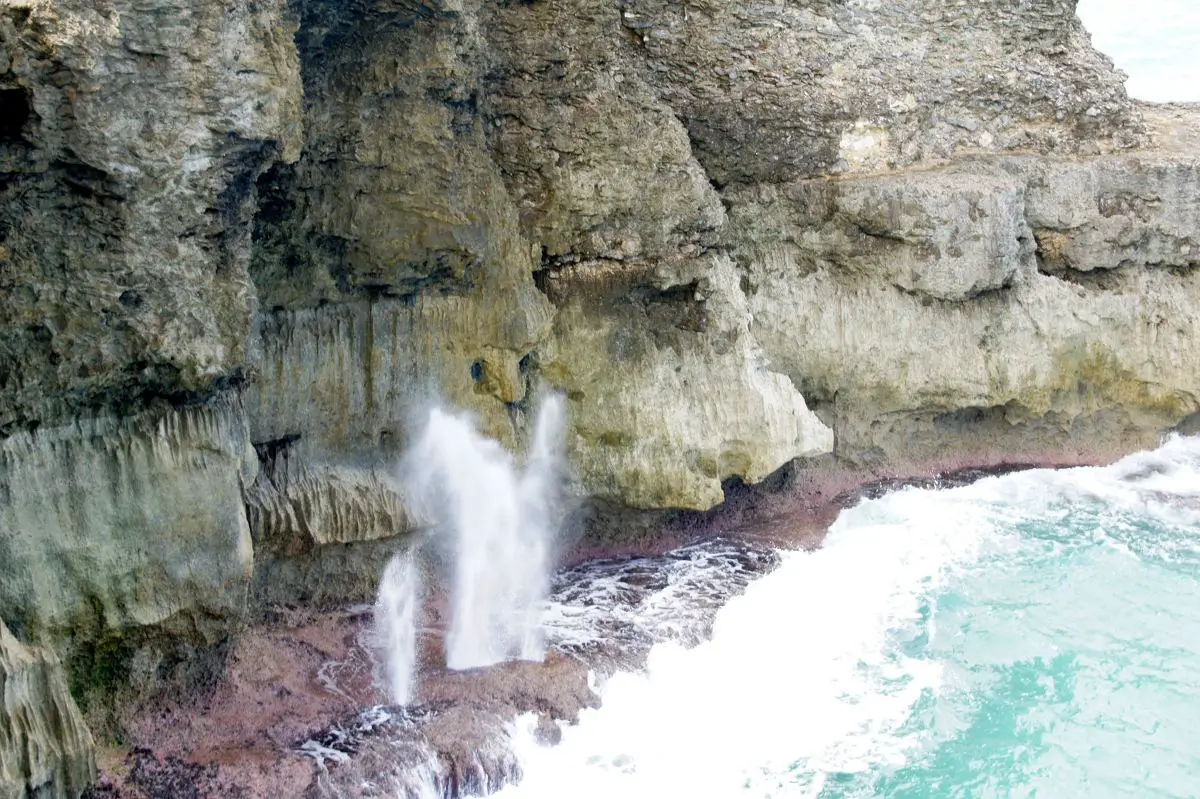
(396, 625)
(497, 519)
(539, 495)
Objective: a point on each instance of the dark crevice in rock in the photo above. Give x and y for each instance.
(970, 295)
(15, 111)
(991, 291)
(1101, 280)
(1175, 269)
(145, 386)
(681, 307)
(236, 203)
(20, 17)
(562, 275)
(463, 104)
(269, 451)
(81, 181)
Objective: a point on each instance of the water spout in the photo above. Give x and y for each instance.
(497, 517)
(396, 625)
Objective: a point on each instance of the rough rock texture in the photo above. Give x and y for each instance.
(388, 259)
(670, 393)
(45, 749)
(1070, 322)
(132, 137)
(396, 259)
(775, 92)
(118, 534)
(322, 535)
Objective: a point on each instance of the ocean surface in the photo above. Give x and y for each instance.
(1030, 635)
(1155, 42)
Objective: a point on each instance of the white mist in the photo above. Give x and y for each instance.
(498, 519)
(396, 625)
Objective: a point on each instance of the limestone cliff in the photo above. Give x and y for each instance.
(1007, 308)
(241, 242)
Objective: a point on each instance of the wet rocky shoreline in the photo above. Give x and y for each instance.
(300, 710)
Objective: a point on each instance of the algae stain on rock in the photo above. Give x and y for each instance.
(1093, 377)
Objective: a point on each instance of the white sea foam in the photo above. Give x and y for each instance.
(816, 673)
(802, 679)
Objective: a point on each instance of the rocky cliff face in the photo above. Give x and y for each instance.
(241, 242)
(1000, 308)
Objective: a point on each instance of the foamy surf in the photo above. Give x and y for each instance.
(804, 677)
(1015, 636)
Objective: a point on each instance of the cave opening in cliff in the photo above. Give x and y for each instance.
(14, 113)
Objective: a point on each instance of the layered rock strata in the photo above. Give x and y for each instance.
(1011, 306)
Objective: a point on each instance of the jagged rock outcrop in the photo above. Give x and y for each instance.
(323, 534)
(670, 394)
(45, 748)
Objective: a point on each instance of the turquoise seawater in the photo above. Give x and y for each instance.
(1031, 635)
(1070, 648)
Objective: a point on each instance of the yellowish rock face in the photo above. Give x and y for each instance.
(669, 393)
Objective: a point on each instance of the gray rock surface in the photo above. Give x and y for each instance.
(1084, 338)
(947, 234)
(1114, 213)
(121, 536)
(773, 92)
(45, 749)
